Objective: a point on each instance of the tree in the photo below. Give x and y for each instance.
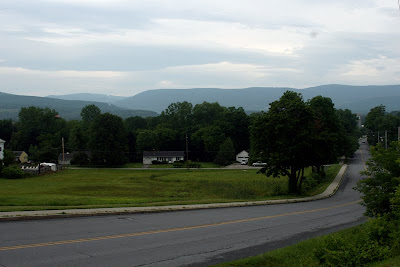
(206, 114)
(39, 127)
(88, 114)
(378, 122)
(326, 132)
(77, 138)
(207, 141)
(383, 179)
(178, 115)
(9, 157)
(226, 153)
(236, 126)
(108, 142)
(282, 137)
(6, 130)
(146, 140)
(348, 140)
(132, 124)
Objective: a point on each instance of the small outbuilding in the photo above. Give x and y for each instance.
(162, 156)
(242, 156)
(21, 156)
(65, 159)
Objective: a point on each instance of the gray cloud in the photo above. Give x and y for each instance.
(70, 45)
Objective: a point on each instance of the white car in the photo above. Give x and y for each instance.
(259, 164)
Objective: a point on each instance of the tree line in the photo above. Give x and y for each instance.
(297, 132)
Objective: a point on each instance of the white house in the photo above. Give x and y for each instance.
(168, 156)
(242, 156)
(2, 142)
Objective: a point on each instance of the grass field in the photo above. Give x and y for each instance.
(89, 188)
(169, 166)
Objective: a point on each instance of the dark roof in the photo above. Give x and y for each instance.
(17, 153)
(69, 156)
(163, 153)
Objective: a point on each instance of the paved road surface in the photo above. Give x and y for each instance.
(198, 237)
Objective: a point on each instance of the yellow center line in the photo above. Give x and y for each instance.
(168, 230)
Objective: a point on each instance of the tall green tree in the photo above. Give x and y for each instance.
(236, 124)
(326, 132)
(78, 138)
(349, 139)
(383, 179)
(206, 114)
(88, 114)
(206, 142)
(178, 115)
(42, 128)
(378, 122)
(108, 141)
(6, 130)
(226, 153)
(146, 140)
(282, 137)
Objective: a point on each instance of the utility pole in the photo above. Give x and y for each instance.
(385, 139)
(398, 134)
(187, 148)
(62, 143)
(378, 138)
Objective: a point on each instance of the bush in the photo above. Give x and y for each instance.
(1, 166)
(178, 165)
(312, 181)
(156, 162)
(12, 172)
(187, 164)
(377, 240)
(9, 157)
(380, 187)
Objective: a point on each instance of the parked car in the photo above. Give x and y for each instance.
(244, 162)
(259, 164)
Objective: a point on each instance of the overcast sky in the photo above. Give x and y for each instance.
(123, 47)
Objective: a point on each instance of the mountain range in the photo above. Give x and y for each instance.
(359, 99)
(10, 106)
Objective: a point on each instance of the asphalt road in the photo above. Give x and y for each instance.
(197, 237)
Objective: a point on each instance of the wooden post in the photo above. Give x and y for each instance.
(63, 158)
(386, 143)
(187, 148)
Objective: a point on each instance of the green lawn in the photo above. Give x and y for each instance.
(158, 166)
(85, 188)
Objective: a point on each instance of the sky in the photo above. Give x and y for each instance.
(124, 47)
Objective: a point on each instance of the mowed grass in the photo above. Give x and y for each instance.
(90, 188)
(169, 166)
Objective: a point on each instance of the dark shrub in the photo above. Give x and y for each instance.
(12, 172)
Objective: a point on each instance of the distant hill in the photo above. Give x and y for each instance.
(68, 109)
(89, 97)
(359, 99)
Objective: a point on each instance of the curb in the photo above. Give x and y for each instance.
(52, 214)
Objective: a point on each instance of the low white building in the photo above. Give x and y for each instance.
(242, 156)
(2, 142)
(161, 156)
